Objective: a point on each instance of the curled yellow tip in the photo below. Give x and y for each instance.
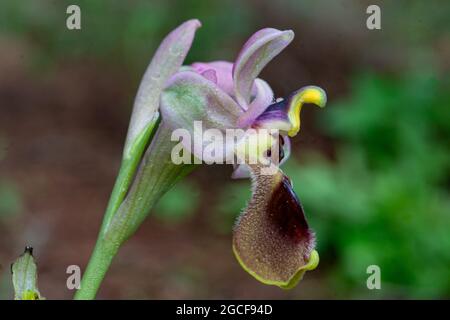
(313, 94)
(313, 262)
(309, 94)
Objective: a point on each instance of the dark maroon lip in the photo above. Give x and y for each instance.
(287, 214)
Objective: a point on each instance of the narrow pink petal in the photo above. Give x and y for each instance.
(261, 48)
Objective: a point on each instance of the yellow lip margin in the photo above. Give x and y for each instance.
(309, 94)
(292, 282)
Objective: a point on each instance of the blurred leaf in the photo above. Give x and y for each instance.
(10, 200)
(178, 204)
(231, 201)
(384, 200)
(143, 23)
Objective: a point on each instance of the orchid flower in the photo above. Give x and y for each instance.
(271, 238)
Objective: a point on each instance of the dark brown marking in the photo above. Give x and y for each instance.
(286, 212)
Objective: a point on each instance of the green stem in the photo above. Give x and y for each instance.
(156, 174)
(98, 265)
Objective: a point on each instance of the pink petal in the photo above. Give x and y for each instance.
(261, 48)
(223, 71)
(211, 75)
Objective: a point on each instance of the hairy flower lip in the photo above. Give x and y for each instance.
(272, 239)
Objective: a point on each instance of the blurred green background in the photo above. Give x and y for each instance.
(372, 168)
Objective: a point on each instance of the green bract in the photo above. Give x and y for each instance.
(24, 274)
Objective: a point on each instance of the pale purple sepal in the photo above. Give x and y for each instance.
(191, 99)
(167, 61)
